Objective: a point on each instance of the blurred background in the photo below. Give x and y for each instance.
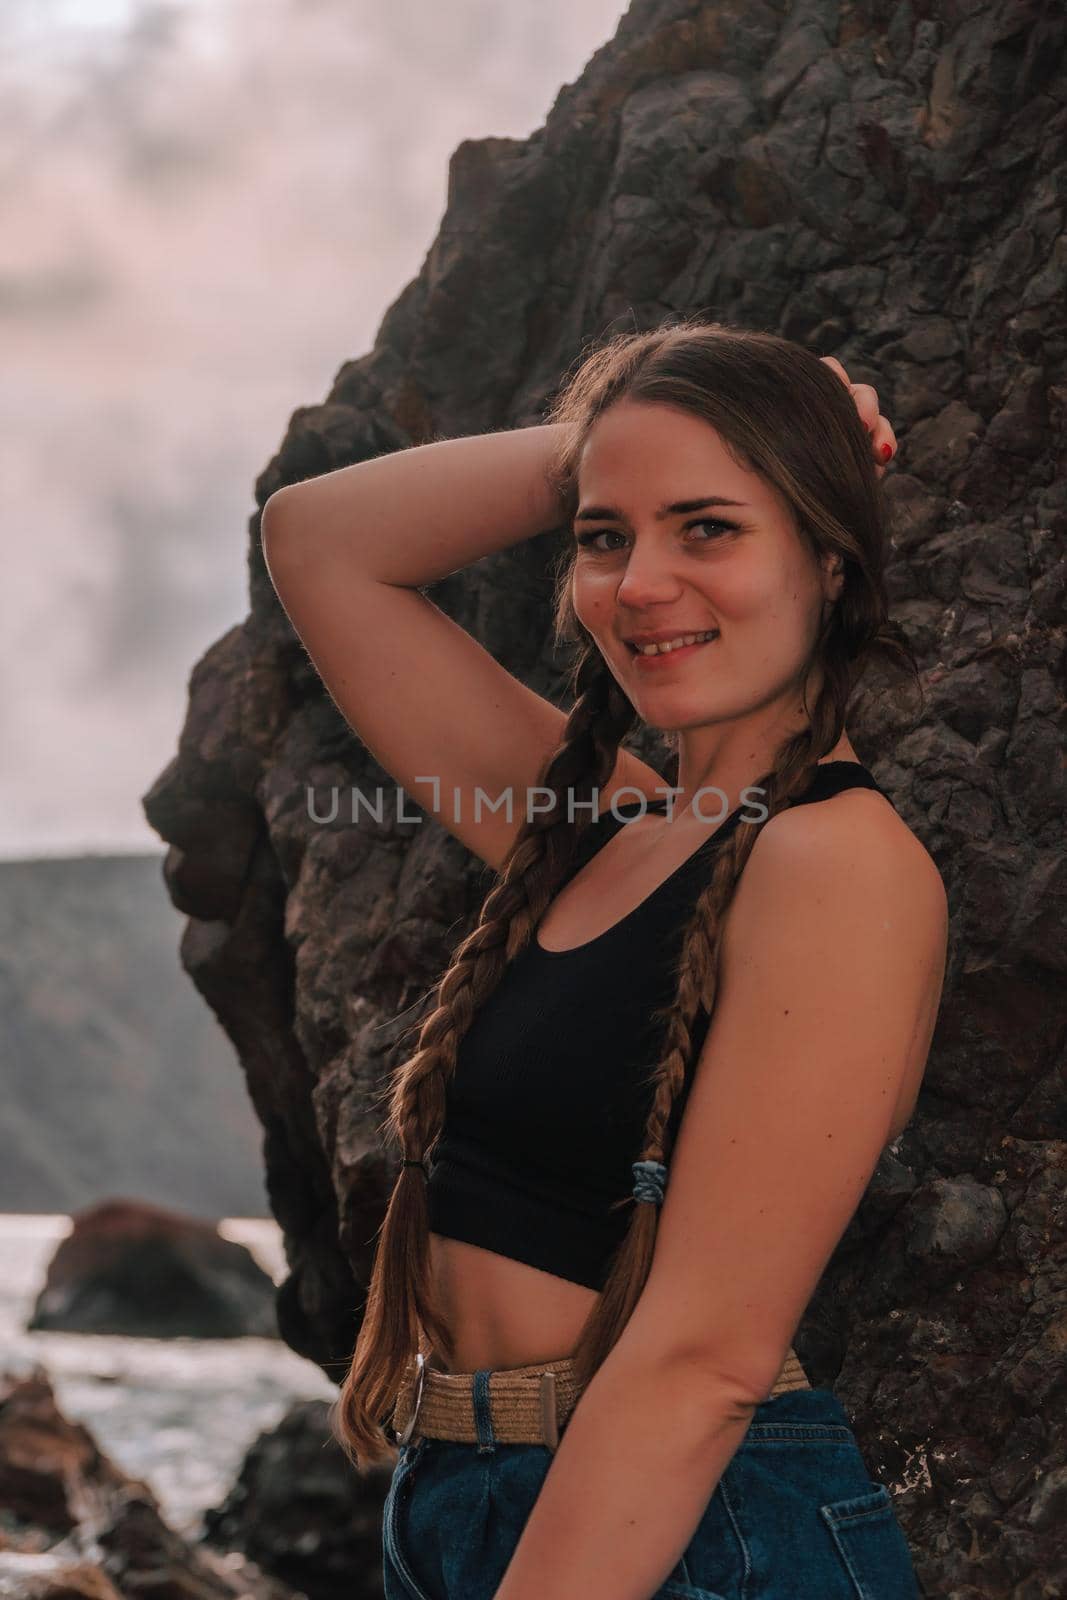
(206, 208)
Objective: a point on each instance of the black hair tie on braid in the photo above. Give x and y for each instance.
(422, 1164)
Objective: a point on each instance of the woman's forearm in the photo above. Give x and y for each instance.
(637, 1463)
(416, 515)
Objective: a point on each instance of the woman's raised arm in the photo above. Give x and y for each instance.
(347, 552)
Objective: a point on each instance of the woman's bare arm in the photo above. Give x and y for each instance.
(825, 991)
(434, 508)
(347, 552)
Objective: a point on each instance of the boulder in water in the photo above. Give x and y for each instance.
(128, 1267)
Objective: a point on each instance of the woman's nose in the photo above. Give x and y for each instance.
(647, 578)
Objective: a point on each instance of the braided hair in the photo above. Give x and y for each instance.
(758, 390)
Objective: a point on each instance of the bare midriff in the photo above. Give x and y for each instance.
(505, 1313)
(501, 1312)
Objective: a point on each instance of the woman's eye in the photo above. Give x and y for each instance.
(713, 522)
(587, 540)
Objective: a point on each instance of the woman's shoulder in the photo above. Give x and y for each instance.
(857, 855)
(852, 819)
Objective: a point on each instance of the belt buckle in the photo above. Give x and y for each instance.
(420, 1368)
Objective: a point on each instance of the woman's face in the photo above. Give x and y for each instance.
(649, 559)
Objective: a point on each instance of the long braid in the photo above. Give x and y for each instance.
(696, 977)
(402, 1312)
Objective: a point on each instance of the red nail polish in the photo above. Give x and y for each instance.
(887, 451)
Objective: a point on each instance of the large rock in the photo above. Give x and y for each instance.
(74, 1526)
(299, 1511)
(134, 1268)
(53, 1475)
(886, 184)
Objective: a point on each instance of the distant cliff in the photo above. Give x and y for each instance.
(116, 1078)
(886, 183)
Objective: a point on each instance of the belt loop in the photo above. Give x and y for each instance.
(549, 1415)
(483, 1421)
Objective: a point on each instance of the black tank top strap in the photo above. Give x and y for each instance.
(828, 778)
(831, 777)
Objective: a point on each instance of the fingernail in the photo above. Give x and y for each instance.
(887, 451)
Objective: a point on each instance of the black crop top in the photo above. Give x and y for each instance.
(545, 1113)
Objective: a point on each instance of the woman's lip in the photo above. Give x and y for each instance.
(661, 660)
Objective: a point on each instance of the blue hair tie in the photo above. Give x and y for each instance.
(650, 1180)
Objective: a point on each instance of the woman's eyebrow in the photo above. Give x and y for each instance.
(677, 509)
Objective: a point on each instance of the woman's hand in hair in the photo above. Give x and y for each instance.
(866, 398)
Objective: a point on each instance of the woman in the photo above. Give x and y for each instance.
(588, 1367)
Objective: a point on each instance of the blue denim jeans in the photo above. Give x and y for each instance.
(794, 1516)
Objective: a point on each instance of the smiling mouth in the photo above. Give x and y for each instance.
(653, 654)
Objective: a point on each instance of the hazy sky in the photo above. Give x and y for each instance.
(205, 208)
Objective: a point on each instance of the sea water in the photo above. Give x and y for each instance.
(178, 1413)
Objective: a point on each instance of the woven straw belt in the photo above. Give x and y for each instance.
(527, 1405)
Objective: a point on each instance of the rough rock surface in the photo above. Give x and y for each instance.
(134, 1268)
(299, 1511)
(73, 1526)
(885, 183)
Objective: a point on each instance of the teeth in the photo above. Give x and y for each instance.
(674, 644)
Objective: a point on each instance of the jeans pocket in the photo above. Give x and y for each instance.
(684, 1591)
(399, 1581)
(871, 1543)
(678, 1589)
(716, 1563)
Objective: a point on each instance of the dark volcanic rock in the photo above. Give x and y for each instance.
(952, 1224)
(300, 1511)
(129, 1267)
(886, 184)
(73, 1526)
(52, 1473)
